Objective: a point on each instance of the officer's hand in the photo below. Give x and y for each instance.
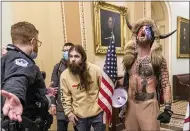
(53, 110)
(73, 119)
(12, 107)
(52, 91)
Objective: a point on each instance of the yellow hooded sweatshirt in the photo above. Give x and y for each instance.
(78, 101)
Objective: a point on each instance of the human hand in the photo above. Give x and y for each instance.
(122, 112)
(12, 106)
(53, 109)
(52, 91)
(73, 119)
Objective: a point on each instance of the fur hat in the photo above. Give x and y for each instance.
(130, 52)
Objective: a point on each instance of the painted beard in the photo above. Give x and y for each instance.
(75, 69)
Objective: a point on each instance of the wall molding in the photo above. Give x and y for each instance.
(169, 14)
(63, 22)
(82, 25)
(144, 9)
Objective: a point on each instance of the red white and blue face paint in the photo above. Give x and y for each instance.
(145, 33)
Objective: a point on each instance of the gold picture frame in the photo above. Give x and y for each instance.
(109, 18)
(183, 50)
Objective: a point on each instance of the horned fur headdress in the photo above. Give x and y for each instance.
(130, 51)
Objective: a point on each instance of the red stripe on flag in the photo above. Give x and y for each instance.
(107, 84)
(105, 108)
(187, 120)
(106, 96)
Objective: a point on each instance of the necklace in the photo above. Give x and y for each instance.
(142, 63)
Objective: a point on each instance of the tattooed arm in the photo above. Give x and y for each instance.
(165, 116)
(166, 84)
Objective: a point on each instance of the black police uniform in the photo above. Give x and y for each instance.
(22, 77)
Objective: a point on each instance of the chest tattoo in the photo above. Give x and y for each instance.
(144, 70)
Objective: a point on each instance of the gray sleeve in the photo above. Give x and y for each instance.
(18, 86)
(54, 76)
(55, 80)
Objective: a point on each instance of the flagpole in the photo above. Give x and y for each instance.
(110, 76)
(105, 121)
(112, 40)
(107, 126)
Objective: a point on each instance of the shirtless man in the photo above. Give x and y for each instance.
(146, 69)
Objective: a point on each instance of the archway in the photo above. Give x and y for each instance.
(159, 13)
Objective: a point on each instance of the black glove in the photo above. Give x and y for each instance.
(165, 116)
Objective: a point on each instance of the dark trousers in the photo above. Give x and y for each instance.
(84, 124)
(62, 125)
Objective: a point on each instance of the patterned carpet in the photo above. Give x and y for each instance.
(177, 121)
(178, 107)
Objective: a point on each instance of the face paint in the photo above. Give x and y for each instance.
(145, 32)
(148, 32)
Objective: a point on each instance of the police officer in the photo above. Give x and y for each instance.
(22, 83)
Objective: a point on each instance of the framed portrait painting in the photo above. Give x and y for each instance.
(183, 45)
(109, 19)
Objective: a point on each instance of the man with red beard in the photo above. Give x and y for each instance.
(146, 75)
(79, 91)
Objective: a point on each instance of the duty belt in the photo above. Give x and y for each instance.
(25, 125)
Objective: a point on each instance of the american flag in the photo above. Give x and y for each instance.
(109, 76)
(186, 126)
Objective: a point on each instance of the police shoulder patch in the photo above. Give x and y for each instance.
(21, 62)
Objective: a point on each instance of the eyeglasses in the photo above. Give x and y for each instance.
(64, 50)
(38, 42)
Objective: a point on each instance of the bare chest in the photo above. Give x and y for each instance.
(142, 67)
